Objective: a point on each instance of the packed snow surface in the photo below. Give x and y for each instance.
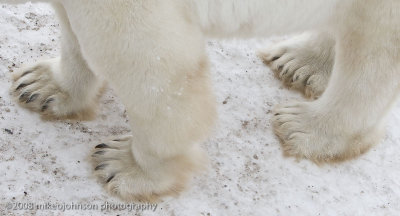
(45, 162)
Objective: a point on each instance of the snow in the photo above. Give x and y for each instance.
(48, 162)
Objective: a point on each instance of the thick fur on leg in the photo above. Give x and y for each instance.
(163, 81)
(62, 88)
(152, 53)
(347, 119)
(163, 153)
(121, 176)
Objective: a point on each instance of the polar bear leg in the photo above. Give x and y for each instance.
(63, 87)
(154, 58)
(348, 118)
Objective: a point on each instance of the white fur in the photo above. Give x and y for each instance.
(261, 18)
(152, 53)
(303, 62)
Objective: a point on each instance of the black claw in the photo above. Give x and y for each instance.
(24, 96)
(276, 114)
(100, 167)
(32, 98)
(25, 73)
(110, 178)
(21, 86)
(46, 104)
(102, 146)
(280, 67)
(295, 78)
(44, 108)
(275, 58)
(99, 153)
(284, 73)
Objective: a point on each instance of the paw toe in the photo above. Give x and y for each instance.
(300, 77)
(315, 86)
(271, 55)
(279, 64)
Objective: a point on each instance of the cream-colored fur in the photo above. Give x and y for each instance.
(63, 87)
(303, 62)
(152, 53)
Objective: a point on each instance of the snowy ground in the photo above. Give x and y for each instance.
(42, 162)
